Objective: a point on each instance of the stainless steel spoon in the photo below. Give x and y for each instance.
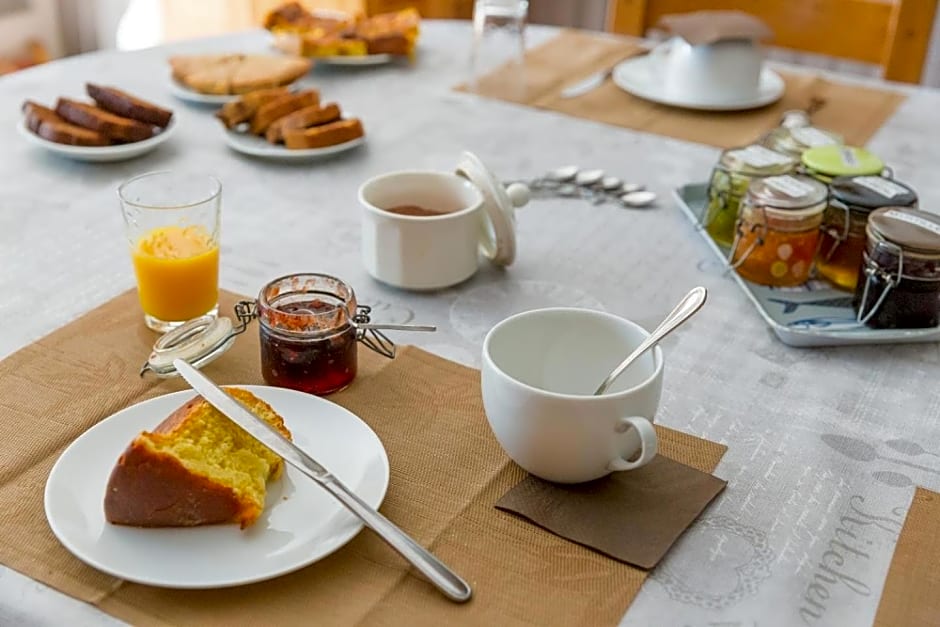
(691, 303)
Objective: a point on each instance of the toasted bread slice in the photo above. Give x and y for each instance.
(184, 65)
(212, 79)
(47, 124)
(325, 135)
(108, 124)
(122, 103)
(263, 72)
(276, 109)
(238, 111)
(304, 118)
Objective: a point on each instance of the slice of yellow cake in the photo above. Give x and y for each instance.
(196, 468)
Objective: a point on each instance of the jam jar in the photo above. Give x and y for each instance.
(729, 181)
(796, 135)
(308, 333)
(851, 200)
(827, 162)
(899, 283)
(778, 230)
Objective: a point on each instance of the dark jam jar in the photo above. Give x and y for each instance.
(308, 337)
(899, 281)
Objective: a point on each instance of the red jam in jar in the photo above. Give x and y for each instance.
(308, 339)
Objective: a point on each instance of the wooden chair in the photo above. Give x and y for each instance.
(893, 34)
(452, 9)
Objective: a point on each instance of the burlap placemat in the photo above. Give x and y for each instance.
(447, 470)
(853, 111)
(911, 595)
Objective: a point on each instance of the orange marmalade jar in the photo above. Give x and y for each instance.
(778, 230)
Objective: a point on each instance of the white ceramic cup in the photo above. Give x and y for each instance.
(540, 370)
(421, 252)
(719, 72)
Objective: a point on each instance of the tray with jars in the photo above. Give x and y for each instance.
(790, 255)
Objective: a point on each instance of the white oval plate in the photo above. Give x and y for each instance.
(189, 95)
(118, 152)
(640, 77)
(301, 522)
(369, 59)
(185, 93)
(256, 146)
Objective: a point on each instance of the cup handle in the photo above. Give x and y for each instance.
(649, 444)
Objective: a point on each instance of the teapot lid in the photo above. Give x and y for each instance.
(498, 234)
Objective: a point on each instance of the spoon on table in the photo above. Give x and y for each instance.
(862, 451)
(908, 447)
(689, 304)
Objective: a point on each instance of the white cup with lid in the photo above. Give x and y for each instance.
(426, 230)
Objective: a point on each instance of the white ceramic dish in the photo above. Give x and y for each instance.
(301, 522)
(118, 152)
(185, 93)
(256, 146)
(369, 59)
(641, 76)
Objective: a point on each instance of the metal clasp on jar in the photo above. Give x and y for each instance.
(203, 340)
(873, 269)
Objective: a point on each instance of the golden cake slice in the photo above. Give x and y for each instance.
(302, 118)
(196, 468)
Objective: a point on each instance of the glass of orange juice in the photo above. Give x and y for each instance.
(172, 223)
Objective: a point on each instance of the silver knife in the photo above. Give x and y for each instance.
(448, 582)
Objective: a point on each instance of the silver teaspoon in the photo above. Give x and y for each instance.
(690, 304)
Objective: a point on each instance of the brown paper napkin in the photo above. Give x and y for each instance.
(447, 471)
(911, 595)
(633, 516)
(854, 112)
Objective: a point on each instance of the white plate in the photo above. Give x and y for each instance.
(185, 93)
(118, 152)
(189, 95)
(301, 522)
(369, 59)
(640, 76)
(256, 146)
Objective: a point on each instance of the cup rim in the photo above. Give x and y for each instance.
(209, 198)
(658, 363)
(437, 218)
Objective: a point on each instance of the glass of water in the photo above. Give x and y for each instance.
(499, 41)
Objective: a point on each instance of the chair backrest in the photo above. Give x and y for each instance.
(893, 34)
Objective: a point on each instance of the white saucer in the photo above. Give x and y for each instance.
(117, 152)
(301, 522)
(256, 146)
(640, 77)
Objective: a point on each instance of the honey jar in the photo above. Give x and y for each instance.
(899, 283)
(825, 163)
(778, 230)
(729, 181)
(851, 200)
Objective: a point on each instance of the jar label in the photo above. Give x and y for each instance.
(760, 157)
(915, 220)
(794, 188)
(881, 185)
(848, 157)
(810, 136)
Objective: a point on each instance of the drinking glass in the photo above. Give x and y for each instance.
(499, 41)
(172, 222)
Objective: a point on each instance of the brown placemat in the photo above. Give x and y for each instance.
(447, 471)
(855, 112)
(911, 595)
(634, 517)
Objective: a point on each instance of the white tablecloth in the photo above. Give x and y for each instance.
(804, 533)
